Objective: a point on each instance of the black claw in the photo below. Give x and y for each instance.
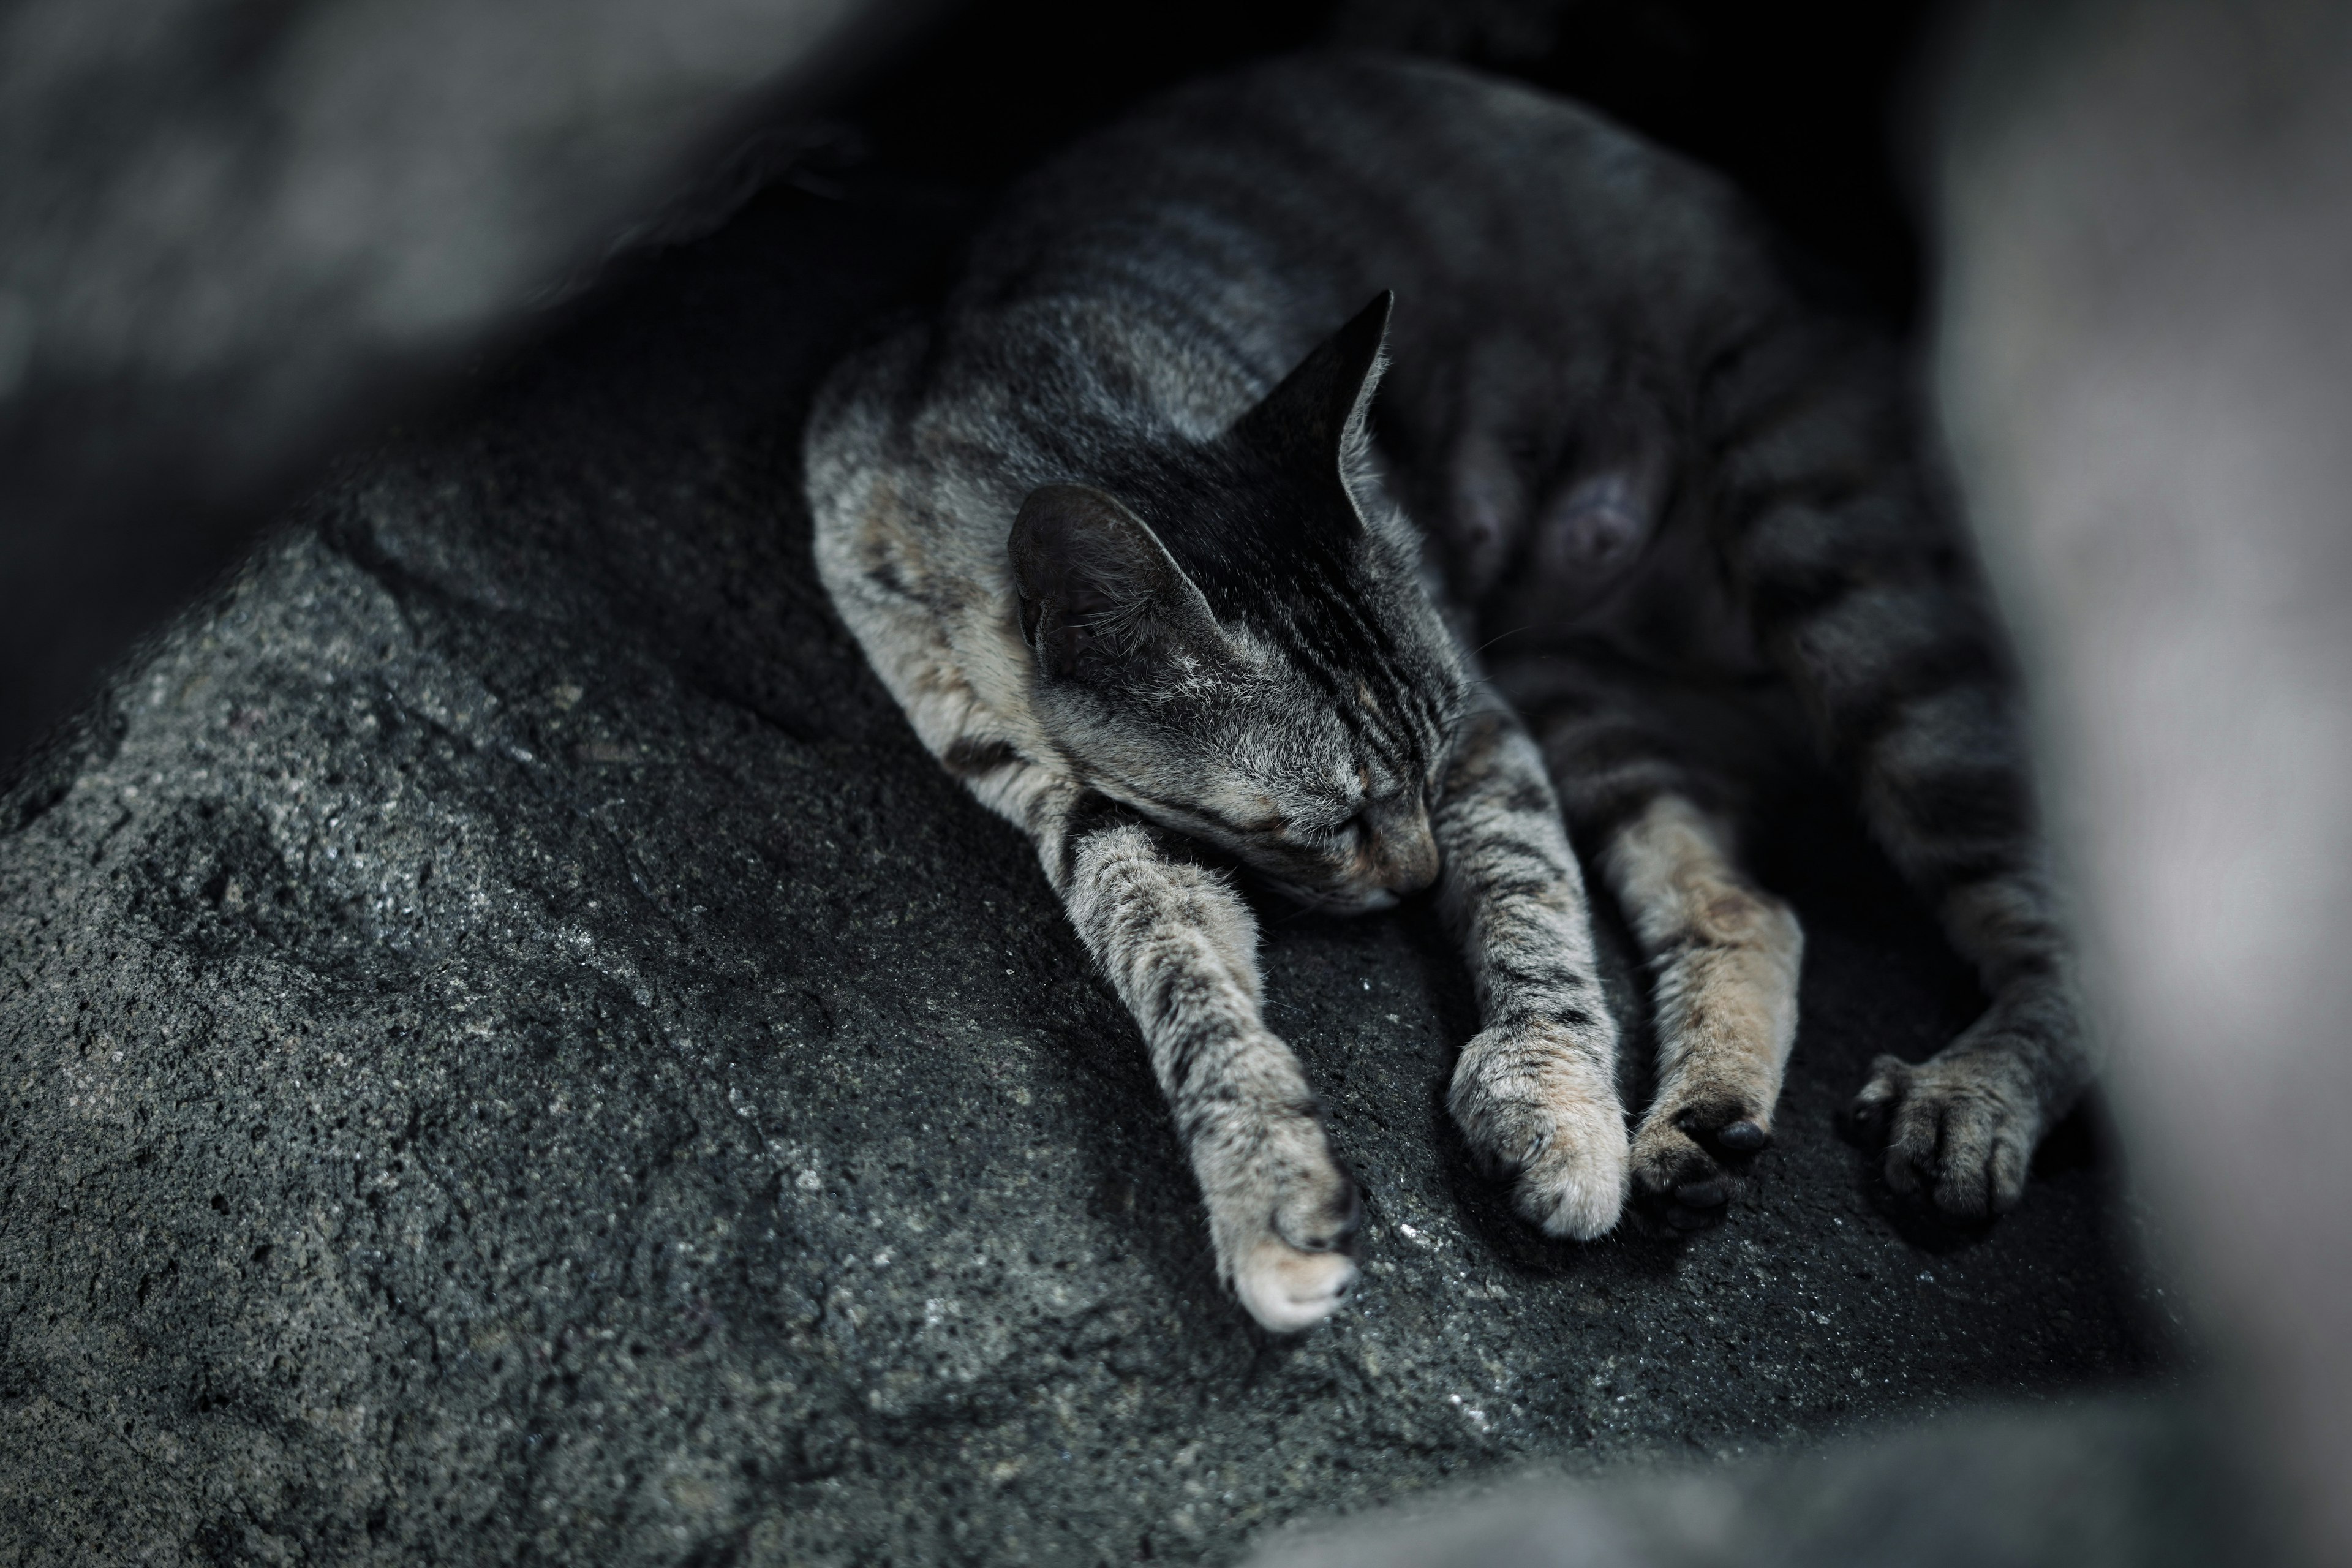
(1743, 1136)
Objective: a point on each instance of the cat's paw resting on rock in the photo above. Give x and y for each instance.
(1287, 1291)
(1282, 1216)
(1687, 1153)
(1958, 1129)
(1539, 1116)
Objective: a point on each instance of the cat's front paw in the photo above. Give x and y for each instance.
(1539, 1113)
(1283, 1215)
(1689, 1148)
(1960, 1129)
(1290, 1292)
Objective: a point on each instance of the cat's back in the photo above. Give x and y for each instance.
(1267, 203)
(1167, 270)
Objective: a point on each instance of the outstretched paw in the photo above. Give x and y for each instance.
(1288, 1290)
(1284, 1219)
(1687, 1153)
(1547, 1122)
(1960, 1129)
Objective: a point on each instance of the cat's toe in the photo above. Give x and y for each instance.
(2006, 1166)
(1290, 1292)
(1686, 1157)
(1574, 1187)
(1709, 1192)
(1889, 1084)
(1670, 1168)
(1977, 1168)
(1321, 1213)
(1728, 1121)
(1743, 1136)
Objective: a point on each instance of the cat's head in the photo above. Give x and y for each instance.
(1224, 639)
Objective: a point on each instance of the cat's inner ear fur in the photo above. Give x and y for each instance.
(1318, 418)
(1094, 583)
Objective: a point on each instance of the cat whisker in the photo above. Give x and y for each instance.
(1499, 637)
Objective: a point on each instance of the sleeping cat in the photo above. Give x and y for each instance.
(1120, 533)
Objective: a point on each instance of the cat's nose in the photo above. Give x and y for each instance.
(1405, 854)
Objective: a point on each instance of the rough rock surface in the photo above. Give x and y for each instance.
(511, 1053)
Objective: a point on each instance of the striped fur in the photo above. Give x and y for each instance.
(1113, 528)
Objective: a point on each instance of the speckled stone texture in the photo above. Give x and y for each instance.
(512, 1053)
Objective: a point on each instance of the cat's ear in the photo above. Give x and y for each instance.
(1095, 585)
(1319, 416)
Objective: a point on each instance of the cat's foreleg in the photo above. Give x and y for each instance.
(1725, 956)
(1863, 589)
(1535, 1091)
(1180, 947)
(1723, 953)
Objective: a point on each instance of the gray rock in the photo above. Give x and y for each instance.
(511, 1052)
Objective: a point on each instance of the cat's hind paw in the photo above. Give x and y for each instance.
(1960, 1129)
(1549, 1124)
(1687, 1154)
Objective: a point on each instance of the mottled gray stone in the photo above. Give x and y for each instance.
(511, 1053)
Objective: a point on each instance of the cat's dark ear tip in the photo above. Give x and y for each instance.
(1371, 322)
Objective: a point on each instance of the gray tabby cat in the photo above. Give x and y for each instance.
(1114, 529)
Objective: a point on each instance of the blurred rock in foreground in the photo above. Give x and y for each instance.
(228, 231)
(510, 1052)
(2100, 1484)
